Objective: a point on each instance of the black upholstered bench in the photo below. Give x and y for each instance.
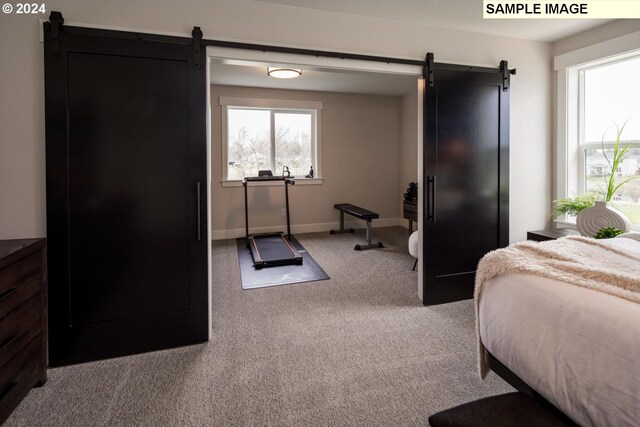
(361, 213)
(505, 410)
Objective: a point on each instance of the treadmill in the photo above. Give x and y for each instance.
(270, 249)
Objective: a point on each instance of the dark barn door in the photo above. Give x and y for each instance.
(465, 188)
(126, 201)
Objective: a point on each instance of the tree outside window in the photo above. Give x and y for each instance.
(270, 138)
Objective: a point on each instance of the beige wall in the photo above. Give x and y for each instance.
(22, 171)
(599, 34)
(22, 187)
(360, 150)
(408, 140)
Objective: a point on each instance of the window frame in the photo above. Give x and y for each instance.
(570, 150)
(582, 146)
(274, 106)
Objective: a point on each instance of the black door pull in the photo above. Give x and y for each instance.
(431, 198)
(198, 207)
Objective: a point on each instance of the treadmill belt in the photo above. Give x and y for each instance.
(273, 247)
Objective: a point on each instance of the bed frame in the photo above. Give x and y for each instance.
(516, 382)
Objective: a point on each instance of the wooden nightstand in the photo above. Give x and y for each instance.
(553, 234)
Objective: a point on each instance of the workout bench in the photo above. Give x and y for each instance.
(360, 213)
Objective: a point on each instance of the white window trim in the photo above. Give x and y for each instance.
(275, 104)
(281, 104)
(567, 66)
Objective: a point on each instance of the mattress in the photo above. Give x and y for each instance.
(577, 347)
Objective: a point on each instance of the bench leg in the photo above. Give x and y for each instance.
(369, 245)
(342, 229)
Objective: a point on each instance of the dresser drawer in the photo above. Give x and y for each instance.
(19, 374)
(412, 216)
(410, 207)
(19, 327)
(19, 282)
(410, 211)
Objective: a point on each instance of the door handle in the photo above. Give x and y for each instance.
(431, 198)
(198, 209)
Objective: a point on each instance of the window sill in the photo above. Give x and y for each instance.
(571, 222)
(299, 181)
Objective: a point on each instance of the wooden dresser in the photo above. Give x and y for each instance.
(410, 212)
(23, 320)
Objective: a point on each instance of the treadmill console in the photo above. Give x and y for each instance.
(264, 178)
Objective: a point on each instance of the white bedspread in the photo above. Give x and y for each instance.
(578, 347)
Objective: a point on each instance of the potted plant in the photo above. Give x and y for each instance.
(607, 233)
(573, 207)
(593, 211)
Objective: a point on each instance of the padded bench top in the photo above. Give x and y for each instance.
(356, 211)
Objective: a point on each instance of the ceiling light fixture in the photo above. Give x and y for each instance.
(283, 73)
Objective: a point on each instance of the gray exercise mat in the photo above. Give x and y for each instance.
(253, 278)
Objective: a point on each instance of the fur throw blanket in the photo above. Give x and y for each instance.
(580, 261)
(576, 260)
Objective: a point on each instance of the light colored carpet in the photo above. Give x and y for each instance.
(357, 350)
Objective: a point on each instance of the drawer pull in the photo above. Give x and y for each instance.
(6, 342)
(6, 294)
(7, 389)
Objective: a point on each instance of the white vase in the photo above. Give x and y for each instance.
(590, 220)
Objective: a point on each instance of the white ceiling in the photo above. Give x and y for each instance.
(313, 79)
(465, 15)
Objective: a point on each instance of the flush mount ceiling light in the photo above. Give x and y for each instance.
(283, 73)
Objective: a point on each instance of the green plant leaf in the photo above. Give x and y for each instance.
(573, 206)
(620, 153)
(607, 233)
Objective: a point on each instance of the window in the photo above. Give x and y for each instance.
(269, 134)
(601, 95)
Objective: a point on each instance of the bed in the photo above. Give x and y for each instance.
(576, 345)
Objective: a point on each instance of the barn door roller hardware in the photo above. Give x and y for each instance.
(506, 72)
(53, 27)
(427, 71)
(429, 68)
(197, 46)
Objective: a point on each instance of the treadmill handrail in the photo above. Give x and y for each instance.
(287, 182)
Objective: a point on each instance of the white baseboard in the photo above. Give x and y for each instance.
(310, 228)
